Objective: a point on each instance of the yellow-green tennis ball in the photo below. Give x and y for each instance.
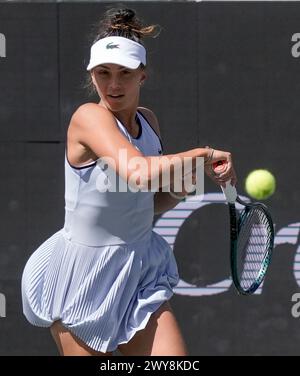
(260, 184)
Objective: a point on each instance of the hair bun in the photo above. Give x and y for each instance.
(122, 16)
(123, 22)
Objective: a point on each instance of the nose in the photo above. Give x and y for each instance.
(114, 83)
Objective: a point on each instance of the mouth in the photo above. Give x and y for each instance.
(116, 96)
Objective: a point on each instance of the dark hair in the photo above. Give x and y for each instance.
(124, 23)
(120, 22)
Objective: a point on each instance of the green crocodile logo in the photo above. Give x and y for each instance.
(111, 45)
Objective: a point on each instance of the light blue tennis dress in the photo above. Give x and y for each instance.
(105, 272)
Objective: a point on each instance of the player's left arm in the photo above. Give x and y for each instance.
(163, 201)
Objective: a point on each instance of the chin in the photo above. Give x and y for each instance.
(116, 106)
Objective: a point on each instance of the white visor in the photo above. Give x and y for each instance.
(117, 50)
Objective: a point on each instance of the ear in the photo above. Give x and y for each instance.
(144, 77)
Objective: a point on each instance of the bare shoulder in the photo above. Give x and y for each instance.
(83, 128)
(88, 117)
(87, 112)
(151, 117)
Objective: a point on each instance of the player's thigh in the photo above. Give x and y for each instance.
(161, 336)
(68, 344)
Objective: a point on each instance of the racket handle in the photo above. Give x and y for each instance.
(230, 192)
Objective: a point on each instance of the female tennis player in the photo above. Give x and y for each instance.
(103, 282)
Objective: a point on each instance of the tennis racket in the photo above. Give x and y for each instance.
(251, 239)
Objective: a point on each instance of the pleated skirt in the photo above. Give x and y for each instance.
(103, 295)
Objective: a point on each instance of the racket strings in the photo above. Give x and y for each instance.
(253, 245)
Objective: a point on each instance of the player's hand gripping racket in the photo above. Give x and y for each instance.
(251, 239)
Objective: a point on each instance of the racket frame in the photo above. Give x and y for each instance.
(235, 224)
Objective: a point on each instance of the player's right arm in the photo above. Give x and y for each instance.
(96, 129)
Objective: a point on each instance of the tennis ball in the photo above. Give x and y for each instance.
(260, 184)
